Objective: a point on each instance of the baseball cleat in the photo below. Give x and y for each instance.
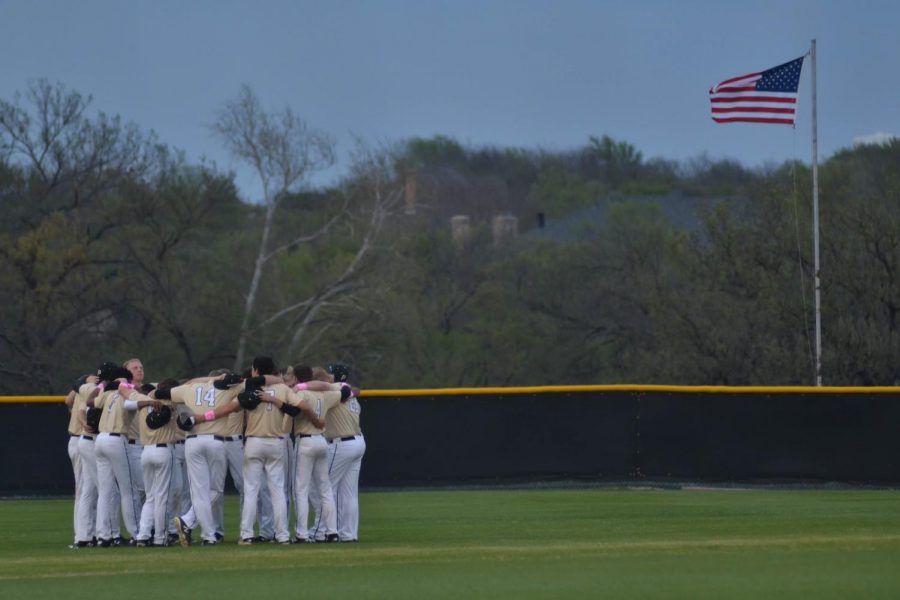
(120, 541)
(332, 537)
(184, 533)
(210, 543)
(246, 542)
(300, 540)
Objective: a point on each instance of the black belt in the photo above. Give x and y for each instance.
(116, 434)
(234, 438)
(162, 445)
(303, 435)
(74, 434)
(218, 438)
(180, 442)
(90, 438)
(343, 439)
(132, 441)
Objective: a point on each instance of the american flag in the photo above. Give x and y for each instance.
(767, 97)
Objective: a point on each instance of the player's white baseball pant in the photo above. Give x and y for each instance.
(86, 501)
(181, 489)
(317, 529)
(345, 461)
(264, 457)
(76, 472)
(235, 453)
(290, 468)
(113, 472)
(135, 450)
(234, 462)
(312, 451)
(205, 456)
(157, 462)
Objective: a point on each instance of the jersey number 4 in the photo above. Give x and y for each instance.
(208, 396)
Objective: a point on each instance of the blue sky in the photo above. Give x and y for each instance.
(507, 73)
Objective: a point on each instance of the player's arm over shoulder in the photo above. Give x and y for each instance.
(180, 394)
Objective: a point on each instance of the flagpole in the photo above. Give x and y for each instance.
(815, 174)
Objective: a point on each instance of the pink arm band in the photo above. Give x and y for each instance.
(300, 387)
(210, 415)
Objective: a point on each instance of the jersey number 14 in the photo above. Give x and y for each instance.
(208, 396)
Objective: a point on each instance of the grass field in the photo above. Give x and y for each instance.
(500, 544)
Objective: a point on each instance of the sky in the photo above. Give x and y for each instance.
(515, 73)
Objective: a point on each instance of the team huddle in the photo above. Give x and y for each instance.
(155, 457)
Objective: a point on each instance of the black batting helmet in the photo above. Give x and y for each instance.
(340, 372)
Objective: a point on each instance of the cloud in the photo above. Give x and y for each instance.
(879, 138)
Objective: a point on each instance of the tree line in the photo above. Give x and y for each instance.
(112, 245)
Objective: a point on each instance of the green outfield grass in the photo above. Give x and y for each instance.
(500, 544)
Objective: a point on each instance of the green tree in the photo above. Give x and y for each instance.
(59, 266)
(621, 160)
(860, 237)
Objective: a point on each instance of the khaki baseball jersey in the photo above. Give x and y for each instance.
(79, 406)
(320, 402)
(235, 423)
(81, 398)
(267, 420)
(202, 397)
(343, 419)
(134, 430)
(167, 434)
(115, 418)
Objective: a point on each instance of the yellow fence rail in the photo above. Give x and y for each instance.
(545, 389)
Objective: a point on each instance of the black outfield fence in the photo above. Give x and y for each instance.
(508, 435)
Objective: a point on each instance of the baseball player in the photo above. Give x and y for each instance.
(134, 450)
(90, 421)
(112, 461)
(234, 454)
(84, 468)
(346, 447)
(204, 453)
(264, 456)
(290, 465)
(158, 437)
(311, 450)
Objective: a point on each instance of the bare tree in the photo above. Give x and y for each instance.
(71, 159)
(283, 151)
(371, 193)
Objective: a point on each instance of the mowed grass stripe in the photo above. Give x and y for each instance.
(499, 544)
(258, 559)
